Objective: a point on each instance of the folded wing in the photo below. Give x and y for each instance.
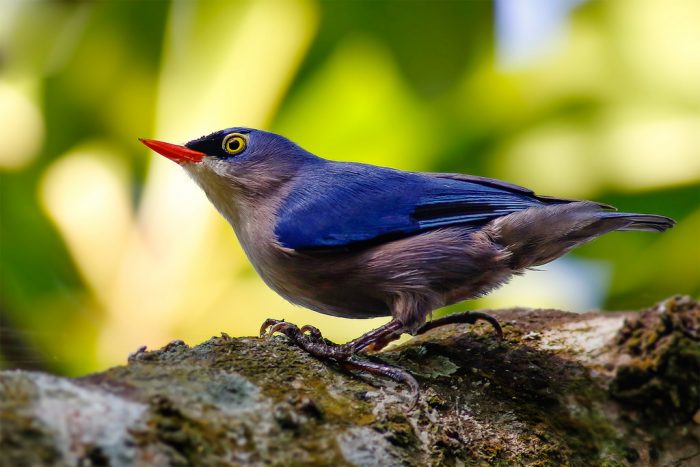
(344, 206)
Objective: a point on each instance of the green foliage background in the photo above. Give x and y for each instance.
(104, 247)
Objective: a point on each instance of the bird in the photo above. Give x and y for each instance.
(356, 240)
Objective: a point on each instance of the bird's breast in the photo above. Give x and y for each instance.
(272, 262)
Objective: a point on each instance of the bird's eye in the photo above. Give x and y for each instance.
(235, 143)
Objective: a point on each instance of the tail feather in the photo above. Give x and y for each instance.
(538, 235)
(641, 222)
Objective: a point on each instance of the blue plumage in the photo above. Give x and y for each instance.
(349, 204)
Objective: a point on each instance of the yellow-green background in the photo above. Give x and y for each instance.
(106, 247)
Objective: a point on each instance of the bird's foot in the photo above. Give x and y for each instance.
(467, 317)
(309, 339)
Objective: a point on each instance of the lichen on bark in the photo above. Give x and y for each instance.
(561, 388)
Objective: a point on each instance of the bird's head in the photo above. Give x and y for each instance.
(237, 162)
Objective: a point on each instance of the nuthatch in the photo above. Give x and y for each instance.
(359, 241)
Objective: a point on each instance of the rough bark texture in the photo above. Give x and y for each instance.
(562, 388)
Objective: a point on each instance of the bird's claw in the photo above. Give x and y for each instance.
(467, 317)
(492, 321)
(269, 323)
(282, 327)
(272, 326)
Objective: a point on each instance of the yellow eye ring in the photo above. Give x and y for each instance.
(235, 143)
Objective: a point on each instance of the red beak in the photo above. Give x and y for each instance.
(174, 152)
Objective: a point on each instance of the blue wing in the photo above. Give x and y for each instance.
(341, 205)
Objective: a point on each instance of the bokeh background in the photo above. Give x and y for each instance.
(106, 247)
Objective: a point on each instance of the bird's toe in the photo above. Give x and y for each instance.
(266, 328)
(312, 332)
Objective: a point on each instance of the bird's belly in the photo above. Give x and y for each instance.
(331, 296)
(335, 301)
(320, 284)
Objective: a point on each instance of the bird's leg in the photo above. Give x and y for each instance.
(379, 338)
(467, 317)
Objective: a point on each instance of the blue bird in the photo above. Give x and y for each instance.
(359, 241)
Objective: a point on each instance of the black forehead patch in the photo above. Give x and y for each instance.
(211, 143)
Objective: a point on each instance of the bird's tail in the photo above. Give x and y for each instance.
(538, 235)
(641, 222)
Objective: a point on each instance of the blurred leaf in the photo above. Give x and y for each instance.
(105, 248)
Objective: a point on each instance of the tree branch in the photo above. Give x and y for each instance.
(589, 389)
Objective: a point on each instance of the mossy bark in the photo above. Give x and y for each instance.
(561, 388)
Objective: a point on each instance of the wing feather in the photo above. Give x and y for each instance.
(345, 205)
